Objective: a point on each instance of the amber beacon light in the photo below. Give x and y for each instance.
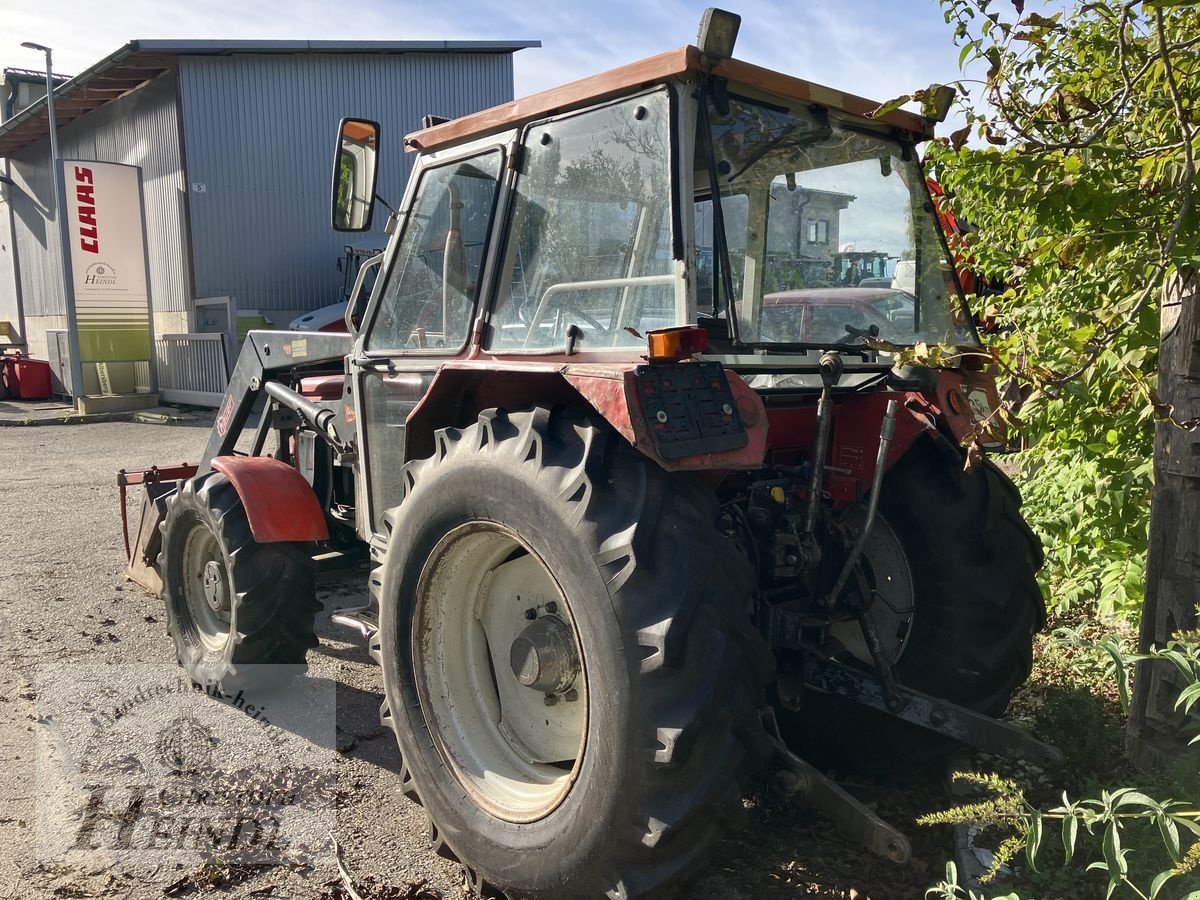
(674, 344)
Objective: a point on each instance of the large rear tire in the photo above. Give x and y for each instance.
(238, 611)
(972, 610)
(536, 524)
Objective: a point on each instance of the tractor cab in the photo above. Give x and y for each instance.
(687, 189)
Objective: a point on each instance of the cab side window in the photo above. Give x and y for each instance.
(589, 243)
(430, 291)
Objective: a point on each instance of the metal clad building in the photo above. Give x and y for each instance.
(141, 129)
(235, 140)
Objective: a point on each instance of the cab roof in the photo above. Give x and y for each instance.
(652, 70)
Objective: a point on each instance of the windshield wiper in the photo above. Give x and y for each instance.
(721, 265)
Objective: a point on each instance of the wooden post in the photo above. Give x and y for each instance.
(1157, 733)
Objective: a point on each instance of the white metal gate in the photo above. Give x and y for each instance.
(192, 368)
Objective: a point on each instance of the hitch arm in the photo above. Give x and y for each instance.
(964, 725)
(831, 366)
(802, 782)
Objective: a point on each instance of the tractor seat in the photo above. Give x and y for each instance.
(322, 387)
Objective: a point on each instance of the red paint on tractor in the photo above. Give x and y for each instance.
(609, 391)
(968, 401)
(323, 387)
(855, 440)
(225, 417)
(280, 504)
(612, 391)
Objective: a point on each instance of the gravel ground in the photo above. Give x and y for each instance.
(64, 599)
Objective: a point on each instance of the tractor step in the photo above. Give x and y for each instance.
(360, 618)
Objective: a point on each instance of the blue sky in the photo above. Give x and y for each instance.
(877, 48)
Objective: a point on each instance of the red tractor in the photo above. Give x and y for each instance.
(631, 546)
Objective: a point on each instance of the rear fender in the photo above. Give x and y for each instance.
(623, 399)
(459, 392)
(279, 503)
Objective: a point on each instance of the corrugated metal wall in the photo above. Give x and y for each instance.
(140, 129)
(259, 135)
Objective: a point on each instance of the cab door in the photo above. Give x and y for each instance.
(422, 313)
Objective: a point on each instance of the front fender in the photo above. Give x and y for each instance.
(279, 503)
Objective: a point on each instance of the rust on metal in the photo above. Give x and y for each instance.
(153, 475)
(653, 70)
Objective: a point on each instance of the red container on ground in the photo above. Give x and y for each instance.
(27, 379)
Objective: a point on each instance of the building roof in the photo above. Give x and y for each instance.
(654, 69)
(140, 61)
(16, 73)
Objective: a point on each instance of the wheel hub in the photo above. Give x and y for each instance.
(214, 586)
(543, 656)
(501, 672)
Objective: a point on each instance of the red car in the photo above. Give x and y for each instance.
(821, 315)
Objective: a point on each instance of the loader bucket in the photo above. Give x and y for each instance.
(159, 485)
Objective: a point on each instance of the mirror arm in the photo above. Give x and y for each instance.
(386, 204)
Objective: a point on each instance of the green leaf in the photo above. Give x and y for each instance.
(890, 106)
(1159, 880)
(1121, 671)
(1033, 840)
(1170, 836)
(1070, 831)
(1188, 697)
(1131, 797)
(1114, 858)
(1187, 823)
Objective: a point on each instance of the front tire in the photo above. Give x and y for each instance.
(518, 512)
(234, 606)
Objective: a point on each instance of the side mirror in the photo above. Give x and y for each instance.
(356, 307)
(354, 175)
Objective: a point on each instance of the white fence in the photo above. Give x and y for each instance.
(192, 368)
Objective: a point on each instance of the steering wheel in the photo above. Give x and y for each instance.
(871, 331)
(565, 305)
(586, 318)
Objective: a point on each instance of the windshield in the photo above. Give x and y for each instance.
(831, 234)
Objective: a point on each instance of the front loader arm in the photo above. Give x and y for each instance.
(266, 353)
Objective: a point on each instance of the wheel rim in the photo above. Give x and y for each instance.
(500, 671)
(207, 590)
(893, 607)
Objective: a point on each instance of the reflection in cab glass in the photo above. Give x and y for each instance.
(430, 291)
(828, 239)
(589, 256)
